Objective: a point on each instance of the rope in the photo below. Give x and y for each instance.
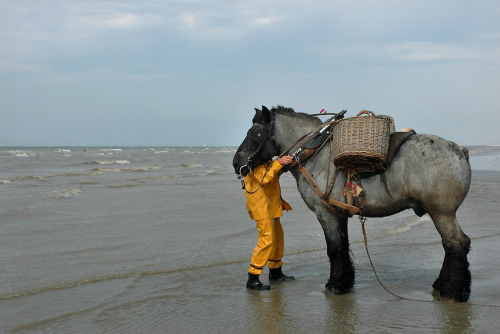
(363, 220)
(260, 185)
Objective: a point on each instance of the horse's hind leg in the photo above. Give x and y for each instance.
(454, 279)
(337, 243)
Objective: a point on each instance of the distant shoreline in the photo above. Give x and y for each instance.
(474, 150)
(483, 149)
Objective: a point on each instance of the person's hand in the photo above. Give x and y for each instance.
(285, 160)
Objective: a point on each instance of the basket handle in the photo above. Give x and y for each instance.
(366, 112)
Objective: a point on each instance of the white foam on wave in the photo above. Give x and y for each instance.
(143, 169)
(112, 149)
(409, 223)
(106, 170)
(119, 170)
(111, 162)
(63, 150)
(191, 165)
(66, 193)
(226, 151)
(21, 154)
(4, 181)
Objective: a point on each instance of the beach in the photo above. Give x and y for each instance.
(158, 240)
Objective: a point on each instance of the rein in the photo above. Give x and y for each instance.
(261, 182)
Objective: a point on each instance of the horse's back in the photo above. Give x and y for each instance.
(436, 171)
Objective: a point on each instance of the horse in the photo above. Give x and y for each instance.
(428, 174)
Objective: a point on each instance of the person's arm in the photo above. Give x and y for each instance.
(274, 170)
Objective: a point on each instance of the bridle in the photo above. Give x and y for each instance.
(262, 134)
(266, 132)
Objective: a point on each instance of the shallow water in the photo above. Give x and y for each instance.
(157, 240)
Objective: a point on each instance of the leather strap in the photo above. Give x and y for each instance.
(329, 203)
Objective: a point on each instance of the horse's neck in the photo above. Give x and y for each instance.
(289, 128)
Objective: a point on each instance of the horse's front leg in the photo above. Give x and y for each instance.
(337, 243)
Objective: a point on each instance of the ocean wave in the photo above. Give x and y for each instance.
(178, 176)
(66, 193)
(166, 177)
(132, 169)
(64, 285)
(143, 169)
(191, 165)
(118, 186)
(226, 151)
(111, 149)
(108, 170)
(409, 223)
(63, 150)
(93, 172)
(111, 162)
(21, 154)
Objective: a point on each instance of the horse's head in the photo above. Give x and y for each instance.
(259, 145)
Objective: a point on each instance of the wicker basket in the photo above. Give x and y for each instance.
(361, 143)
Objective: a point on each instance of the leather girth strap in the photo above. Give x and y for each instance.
(328, 202)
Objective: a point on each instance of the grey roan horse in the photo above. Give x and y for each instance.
(428, 174)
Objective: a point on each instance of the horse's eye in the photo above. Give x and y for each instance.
(259, 136)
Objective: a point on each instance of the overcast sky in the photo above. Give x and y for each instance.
(190, 72)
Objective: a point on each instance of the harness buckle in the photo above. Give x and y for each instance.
(295, 155)
(241, 177)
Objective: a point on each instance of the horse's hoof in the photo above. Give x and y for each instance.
(333, 291)
(338, 289)
(437, 296)
(330, 290)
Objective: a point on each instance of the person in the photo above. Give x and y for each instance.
(265, 206)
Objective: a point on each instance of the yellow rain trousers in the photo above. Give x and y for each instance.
(265, 206)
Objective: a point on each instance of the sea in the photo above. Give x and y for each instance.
(158, 240)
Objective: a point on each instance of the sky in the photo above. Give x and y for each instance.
(191, 72)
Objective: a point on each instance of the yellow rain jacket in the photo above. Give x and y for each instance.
(266, 202)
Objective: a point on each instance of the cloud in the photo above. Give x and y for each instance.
(265, 21)
(188, 20)
(431, 52)
(110, 20)
(210, 58)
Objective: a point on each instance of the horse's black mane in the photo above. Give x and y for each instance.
(281, 110)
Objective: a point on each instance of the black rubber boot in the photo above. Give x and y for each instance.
(277, 275)
(254, 283)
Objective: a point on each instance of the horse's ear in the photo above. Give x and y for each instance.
(262, 116)
(266, 115)
(258, 118)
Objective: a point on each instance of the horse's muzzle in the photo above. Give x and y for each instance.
(240, 161)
